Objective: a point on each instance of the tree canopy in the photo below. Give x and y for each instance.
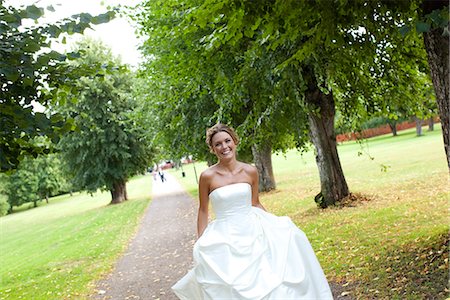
(28, 67)
(260, 64)
(107, 146)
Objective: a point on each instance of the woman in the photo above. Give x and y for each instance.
(246, 252)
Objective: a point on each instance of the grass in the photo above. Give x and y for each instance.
(56, 251)
(392, 245)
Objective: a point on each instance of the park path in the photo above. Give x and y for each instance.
(161, 251)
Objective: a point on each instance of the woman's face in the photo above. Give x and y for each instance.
(223, 145)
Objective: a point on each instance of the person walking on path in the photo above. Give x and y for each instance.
(246, 252)
(161, 251)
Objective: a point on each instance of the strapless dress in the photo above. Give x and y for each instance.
(248, 253)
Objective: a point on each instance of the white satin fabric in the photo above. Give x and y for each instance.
(247, 253)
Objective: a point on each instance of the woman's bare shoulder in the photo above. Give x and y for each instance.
(248, 168)
(251, 173)
(208, 173)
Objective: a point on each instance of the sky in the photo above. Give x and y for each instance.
(118, 34)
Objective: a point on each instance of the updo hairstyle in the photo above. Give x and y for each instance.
(219, 127)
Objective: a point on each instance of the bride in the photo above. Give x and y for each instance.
(246, 252)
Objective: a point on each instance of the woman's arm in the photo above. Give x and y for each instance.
(253, 172)
(203, 193)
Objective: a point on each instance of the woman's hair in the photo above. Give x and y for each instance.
(219, 127)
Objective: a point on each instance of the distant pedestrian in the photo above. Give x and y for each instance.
(161, 175)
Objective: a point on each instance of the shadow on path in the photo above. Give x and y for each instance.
(161, 251)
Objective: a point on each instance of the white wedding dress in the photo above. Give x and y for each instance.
(247, 253)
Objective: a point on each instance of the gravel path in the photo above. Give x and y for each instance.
(161, 252)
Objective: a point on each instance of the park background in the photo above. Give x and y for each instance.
(290, 79)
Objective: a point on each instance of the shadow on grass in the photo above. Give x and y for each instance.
(352, 200)
(418, 270)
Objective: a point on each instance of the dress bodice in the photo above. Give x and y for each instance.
(232, 200)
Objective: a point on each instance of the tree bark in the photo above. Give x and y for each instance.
(393, 127)
(333, 186)
(126, 193)
(262, 156)
(431, 124)
(418, 126)
(119, 192)
(437, 47)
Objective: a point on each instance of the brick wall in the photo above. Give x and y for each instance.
(371, 132)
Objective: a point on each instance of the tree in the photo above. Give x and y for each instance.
(436, 40)
(342, 56)
(35, 179)
(27, 67)
(50, 177)
(108, 146)
(195, 89)
(23, 185)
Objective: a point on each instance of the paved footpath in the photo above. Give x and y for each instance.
(161, 251)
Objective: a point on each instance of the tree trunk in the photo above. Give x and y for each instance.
(262, 156)
(46, 198)
(437, 47)
(393, 126)
(333, 186)
(119, 192)
(431, 124)
(418, 126)
(126, 193)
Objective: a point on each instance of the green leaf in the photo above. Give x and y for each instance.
(404, 30)
(73, 55)
(31, 46)
(53, 30)
(85, 18)
(14, 20)
(34, 12)
(103, 18)
(439, 17)
(27, 81)
(422, 27)
(11, 74)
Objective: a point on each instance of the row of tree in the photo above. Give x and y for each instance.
(280, 70)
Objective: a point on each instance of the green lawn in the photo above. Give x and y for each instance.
(392, 246)
(57, 251)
